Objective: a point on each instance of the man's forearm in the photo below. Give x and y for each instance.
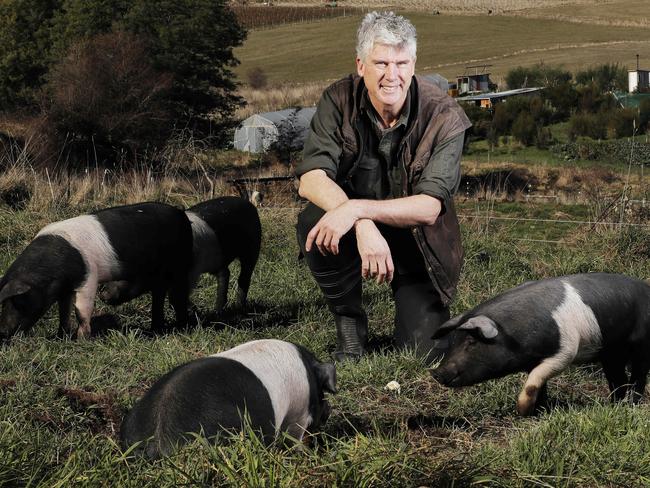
(398, 212)
(320, 190)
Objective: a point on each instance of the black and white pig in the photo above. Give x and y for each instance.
(146, 243)
(223, 229)
(279, 385)
(541, 327)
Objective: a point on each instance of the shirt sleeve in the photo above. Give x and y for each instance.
(322, 149)
(441, 176)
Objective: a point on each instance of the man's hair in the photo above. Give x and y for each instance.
(385, 28)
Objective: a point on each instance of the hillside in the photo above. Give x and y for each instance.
(573, 34)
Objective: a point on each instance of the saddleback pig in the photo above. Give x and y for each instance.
(147, 243)
(542, 327)
(277, 385)
(223, 229)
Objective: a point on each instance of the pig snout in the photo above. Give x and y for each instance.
(448, 374)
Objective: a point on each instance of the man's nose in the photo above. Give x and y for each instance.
(391, 71)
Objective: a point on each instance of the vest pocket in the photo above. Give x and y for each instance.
(366, 178)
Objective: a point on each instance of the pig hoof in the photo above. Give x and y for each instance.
(83, 333)
(527, 400)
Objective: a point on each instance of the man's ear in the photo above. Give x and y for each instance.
(485, 326)
(13, 288)
(326, 376)
(361, 67)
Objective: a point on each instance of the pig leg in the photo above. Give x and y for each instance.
(83, 305)
(157, 308)
(179, 300)
(244, 281)
(223, 277)
(65, 308)
(614, 369)
(536, 381)
(640, 368)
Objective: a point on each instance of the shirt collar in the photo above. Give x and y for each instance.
(366, 106)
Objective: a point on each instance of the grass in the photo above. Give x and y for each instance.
(61, 402)
(320, 51)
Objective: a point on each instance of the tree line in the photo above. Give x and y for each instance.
(586, 101)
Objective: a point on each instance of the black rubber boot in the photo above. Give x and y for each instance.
(352, 337)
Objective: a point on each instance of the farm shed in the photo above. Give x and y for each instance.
(259, 131)
(488, 100)
(638, 79)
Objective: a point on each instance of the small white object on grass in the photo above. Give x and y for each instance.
(393, 386)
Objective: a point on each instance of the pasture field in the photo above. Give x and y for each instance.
(612, 32)
(61, 402)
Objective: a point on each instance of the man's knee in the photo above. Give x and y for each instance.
(307, 219)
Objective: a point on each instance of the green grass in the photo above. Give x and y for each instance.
(324, 50)
(61, 402)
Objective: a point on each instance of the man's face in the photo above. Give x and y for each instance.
(387, 73)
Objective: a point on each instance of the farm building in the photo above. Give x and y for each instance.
(473, 83)
(638, 79)
(488, 100)
(256, 133)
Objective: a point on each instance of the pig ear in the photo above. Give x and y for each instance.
(447, 327)
(326, 375)
(485, 326)
(13, 288)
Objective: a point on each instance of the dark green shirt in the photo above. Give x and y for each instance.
(377, 175)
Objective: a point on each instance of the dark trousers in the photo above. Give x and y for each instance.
(418, 309)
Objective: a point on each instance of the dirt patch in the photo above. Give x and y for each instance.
(100, 409)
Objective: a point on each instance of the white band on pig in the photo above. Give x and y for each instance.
(280, 368)
(205, 248)
(580, 340)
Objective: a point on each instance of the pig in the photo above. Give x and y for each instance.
(223, 229)
(541, 327)
(280, 386)
(146, 243)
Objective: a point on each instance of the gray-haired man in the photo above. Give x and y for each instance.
(380, 166)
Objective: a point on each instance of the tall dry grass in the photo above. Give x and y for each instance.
(280, 97)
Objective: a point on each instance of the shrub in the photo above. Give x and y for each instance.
(644, 115)
(538, 75)
(524, 128)
(605, 77)
(589, 125)
(257, 78)
(107, 101)
(623, 122)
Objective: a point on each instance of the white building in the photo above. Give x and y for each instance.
(638, 79)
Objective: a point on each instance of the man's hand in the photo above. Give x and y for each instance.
(331, 227)
(376, 260)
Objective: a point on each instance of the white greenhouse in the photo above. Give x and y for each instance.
(259, 131)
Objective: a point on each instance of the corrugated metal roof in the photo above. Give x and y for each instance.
(501, 94)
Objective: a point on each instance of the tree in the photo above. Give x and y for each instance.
(24, 50)
(538, 75)
(193, 40)
(524, 128)
(105, 100)
(606, 77)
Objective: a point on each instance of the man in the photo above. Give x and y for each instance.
(380, 166)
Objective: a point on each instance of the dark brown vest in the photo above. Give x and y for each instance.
(434, 117)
